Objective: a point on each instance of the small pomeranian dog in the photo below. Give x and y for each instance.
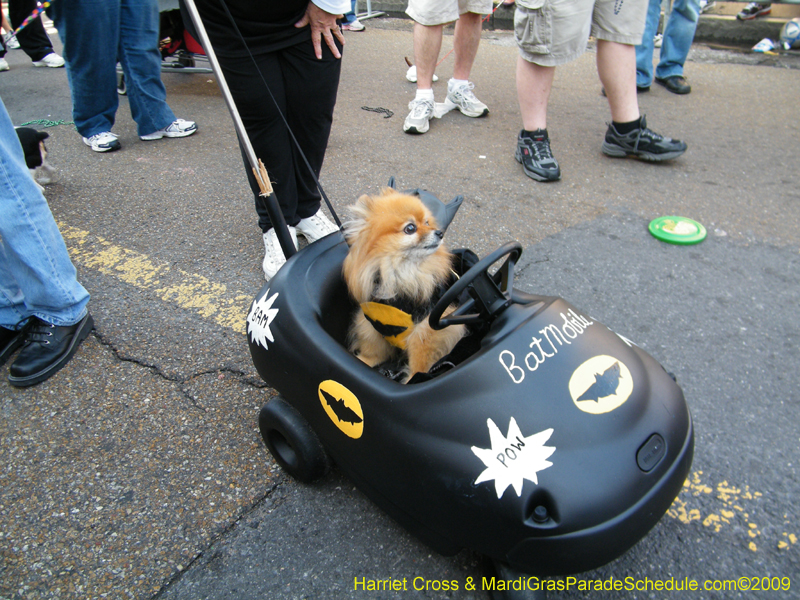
(397, 269)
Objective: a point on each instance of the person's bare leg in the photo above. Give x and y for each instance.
(466, 40)
(534, 83)
(427, 45)
(616, 66)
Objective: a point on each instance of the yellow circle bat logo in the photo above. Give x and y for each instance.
(600, 385)
(342, 407)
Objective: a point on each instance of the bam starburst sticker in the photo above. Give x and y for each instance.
(513, 458)
(260, 317)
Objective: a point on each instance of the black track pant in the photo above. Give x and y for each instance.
(305, 90)
(33, 39)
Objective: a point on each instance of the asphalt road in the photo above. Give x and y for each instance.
(138, 471)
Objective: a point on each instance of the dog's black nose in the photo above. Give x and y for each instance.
(439, 233)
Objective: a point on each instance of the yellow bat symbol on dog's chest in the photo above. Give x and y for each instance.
(391, 322)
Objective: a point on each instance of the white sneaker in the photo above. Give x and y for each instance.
(273, 255)
(103, 142)
(411, 74)
(462, 98)
(11, 41)
(176, 129)
(316, 227)
(52, 60)
(418, 119)
(354, 26)
(3, 64)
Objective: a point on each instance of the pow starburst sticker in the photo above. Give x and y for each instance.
(513, 458)
(260, 317)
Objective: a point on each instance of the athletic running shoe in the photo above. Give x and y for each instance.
(176, 129)
(274, 258)
(11, 41)
(536, 158)
(753, 10)
(103, 142)
(316, 226)
(706, 5)
(421, 113)
(353, 26)
(52, 60)
(641, 143)
(411, 74)
(462, 98)
(4, 64)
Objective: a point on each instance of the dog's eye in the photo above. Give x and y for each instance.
(410, 229)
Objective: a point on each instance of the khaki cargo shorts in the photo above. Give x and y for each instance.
(555, 32)
(439, 12)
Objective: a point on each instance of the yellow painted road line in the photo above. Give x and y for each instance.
(188, 291)
(734, 507)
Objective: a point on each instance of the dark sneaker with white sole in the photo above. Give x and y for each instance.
(641, 143)
(535, 156)
(754, 10)
(103, 142)
(47, 348)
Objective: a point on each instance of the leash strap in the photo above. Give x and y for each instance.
(33, 16)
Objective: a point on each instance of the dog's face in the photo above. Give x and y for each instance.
(395, 226)
(396, 258)
(394, 241)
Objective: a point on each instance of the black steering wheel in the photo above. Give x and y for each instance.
(489, 294)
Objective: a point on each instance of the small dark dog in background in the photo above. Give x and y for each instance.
(36, 154)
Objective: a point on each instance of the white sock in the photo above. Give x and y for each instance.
(454, 83)
(424, 95)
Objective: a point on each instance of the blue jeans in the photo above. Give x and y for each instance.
(37, 277)
(96, 34)
(676, 42)
(351, 16)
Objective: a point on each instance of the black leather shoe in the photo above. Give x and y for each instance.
(47, 348)
(10, 340)
(675, 84)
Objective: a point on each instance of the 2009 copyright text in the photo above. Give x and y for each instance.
(629, 584)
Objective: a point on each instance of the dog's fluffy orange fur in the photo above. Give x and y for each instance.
(396, 251)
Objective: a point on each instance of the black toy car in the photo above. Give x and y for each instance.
(545, 441)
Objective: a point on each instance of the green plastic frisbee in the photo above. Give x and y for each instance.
(677, 230)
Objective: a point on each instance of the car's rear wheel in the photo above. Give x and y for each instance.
(291, 441)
